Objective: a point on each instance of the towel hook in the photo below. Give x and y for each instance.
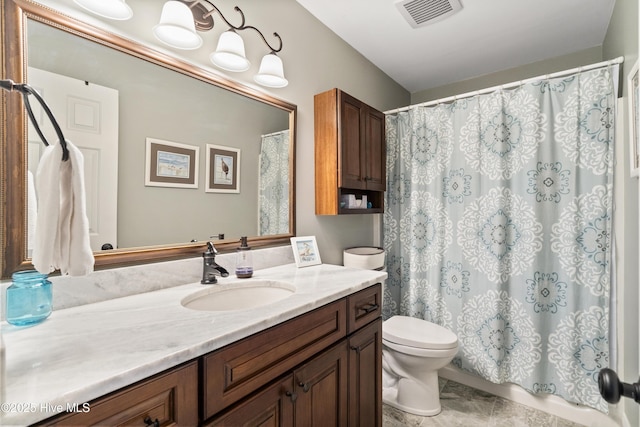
(27, 90)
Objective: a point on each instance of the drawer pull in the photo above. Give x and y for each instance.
(150, 423)
(369, 308)
(292, 396)
(305, 386)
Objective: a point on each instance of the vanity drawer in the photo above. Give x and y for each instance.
(363, 307)
(241, 368)
(170, 398)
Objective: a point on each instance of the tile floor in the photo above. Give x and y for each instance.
(464, 406)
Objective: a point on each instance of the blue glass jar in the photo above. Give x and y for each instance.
(28, 298)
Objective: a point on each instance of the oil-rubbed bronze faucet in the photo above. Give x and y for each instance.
(210, 269)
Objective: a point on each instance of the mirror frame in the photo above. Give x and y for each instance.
(13, 167)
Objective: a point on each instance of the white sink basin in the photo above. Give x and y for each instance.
(239, 295)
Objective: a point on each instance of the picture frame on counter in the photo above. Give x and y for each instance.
(305, 251)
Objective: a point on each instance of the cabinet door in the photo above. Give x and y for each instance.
(321, 387)
(375, 151)
(269, 408)
(237, 370)
(351, 164)
(169, 399)
(365, 376)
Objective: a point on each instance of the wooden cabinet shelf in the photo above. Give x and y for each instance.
(350, 153)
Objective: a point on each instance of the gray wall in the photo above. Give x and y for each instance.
(583, 57)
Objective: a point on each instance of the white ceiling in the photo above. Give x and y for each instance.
(484, 37)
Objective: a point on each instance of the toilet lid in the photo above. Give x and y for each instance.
(419, 333)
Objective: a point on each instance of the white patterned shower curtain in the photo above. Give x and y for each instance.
(498, 226)
(273, 186)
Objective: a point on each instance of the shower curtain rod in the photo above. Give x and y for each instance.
(618, 60)
(272, 133)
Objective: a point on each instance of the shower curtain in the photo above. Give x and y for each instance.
(273, 185)
(498, 226)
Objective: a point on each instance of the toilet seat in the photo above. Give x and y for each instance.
(414, 332)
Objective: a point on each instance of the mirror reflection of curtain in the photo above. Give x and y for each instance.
(498, 226)
(273, 187)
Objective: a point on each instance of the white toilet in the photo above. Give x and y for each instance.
(412, 352)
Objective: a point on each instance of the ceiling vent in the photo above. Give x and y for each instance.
(419, 13)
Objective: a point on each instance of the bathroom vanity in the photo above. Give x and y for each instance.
(145, 359)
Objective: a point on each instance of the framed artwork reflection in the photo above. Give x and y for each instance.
(171, 164)
(305, 251)
(223, 169)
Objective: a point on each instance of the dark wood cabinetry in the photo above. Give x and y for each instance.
(322, 387)
(168, 399)
(365, 376)
(349, 153)
(339, 386)
(321, 368)
(272, 406)
(239, 369)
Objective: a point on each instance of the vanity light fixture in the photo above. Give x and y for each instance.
(181, 19)
(230, 53)
(111, 9)
(177, 28)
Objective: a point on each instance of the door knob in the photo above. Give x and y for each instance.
(611, 388)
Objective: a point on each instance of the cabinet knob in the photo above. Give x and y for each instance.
(147, 421)
(291, 395)
(305, 386)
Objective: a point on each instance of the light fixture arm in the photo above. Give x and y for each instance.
(203, 11)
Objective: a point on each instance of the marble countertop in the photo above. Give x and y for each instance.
(84, 352)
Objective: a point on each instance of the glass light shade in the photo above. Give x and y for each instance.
(229, 54)
(111, 9)
(177, 27)
(271, 73)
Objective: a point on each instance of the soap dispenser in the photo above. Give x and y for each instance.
(244, 263)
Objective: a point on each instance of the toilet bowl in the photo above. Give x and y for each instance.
(412, 352)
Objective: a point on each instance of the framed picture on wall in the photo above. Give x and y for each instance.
(223, 169)
(171, 164)
(634, 120)
(305, 251)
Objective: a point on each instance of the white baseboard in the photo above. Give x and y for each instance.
(550, 404)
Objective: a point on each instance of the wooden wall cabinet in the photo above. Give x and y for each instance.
(350, 153)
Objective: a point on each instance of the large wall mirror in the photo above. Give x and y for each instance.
(145, 121)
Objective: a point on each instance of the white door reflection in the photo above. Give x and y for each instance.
(88, 116)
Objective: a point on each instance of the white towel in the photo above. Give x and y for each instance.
(62, 227)
(32, 211)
